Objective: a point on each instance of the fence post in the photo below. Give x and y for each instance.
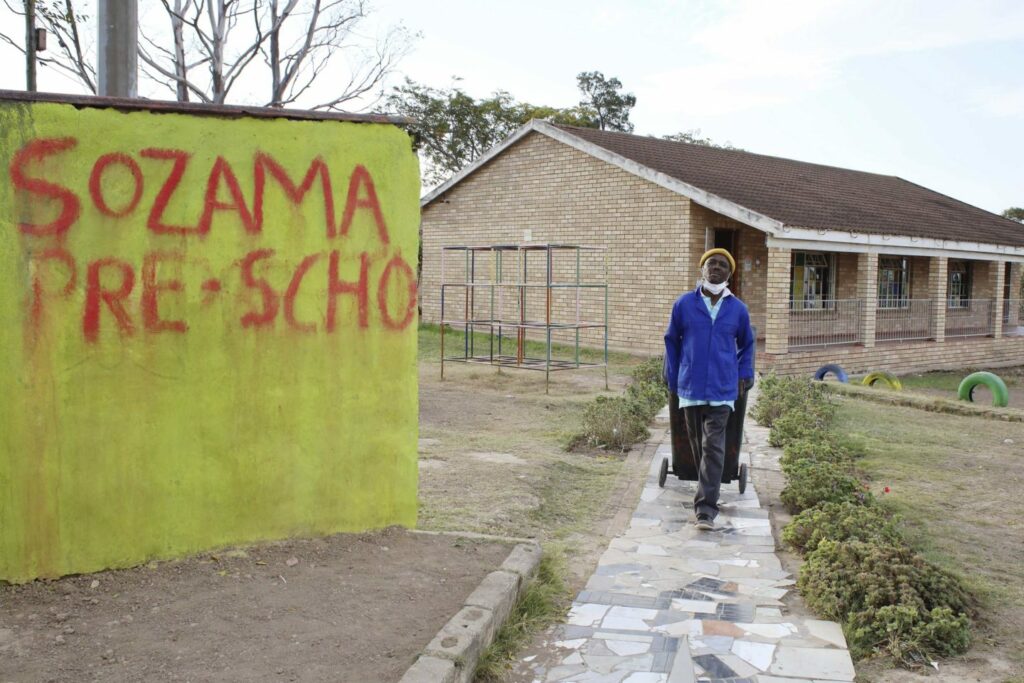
(938, 281)
(776, 335)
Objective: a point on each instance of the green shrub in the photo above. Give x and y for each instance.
(647, 398)
(650, 371)
(823, 449)
(613, 423)
(778, 396)
(811, 483)
(889, 599)
(910, 635)
(845, 521)
(796, 425)
(771, 399)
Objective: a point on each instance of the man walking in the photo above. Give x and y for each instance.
(709, 360)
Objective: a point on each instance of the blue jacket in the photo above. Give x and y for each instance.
(706, 359)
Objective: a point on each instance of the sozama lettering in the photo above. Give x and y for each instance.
(167, 168)
(127, 299)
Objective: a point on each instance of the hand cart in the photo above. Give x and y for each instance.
(685, 465)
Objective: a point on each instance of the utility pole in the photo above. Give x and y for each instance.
(30, 45)
(118, 47)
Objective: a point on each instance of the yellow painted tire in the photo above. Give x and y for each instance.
(886, 377)
(1000, 394)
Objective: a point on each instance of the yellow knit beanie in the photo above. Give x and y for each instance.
(728, 257)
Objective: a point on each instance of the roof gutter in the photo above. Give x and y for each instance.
(810, 239)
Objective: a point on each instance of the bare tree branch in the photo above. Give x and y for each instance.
(208, 48)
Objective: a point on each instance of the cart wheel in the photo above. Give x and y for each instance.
(663, 473)
(743, 478)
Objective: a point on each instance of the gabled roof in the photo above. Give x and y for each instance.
(788, 199)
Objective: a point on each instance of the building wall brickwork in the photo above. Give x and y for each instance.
(542, 191)
(562, 195)
(901, 358)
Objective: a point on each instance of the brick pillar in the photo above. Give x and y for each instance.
(938, 282)
(867, 292)
(776, 334)
(995, 276)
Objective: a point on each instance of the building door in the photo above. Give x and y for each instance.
(726, 239)
(1007, 292)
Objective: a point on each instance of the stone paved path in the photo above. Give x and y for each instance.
(671, 604)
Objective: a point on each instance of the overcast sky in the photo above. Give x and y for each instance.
(931, 91)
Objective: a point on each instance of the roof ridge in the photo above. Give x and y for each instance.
(723, 150)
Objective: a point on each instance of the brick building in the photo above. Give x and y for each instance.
(837, 266)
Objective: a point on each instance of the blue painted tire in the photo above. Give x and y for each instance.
(836, 370)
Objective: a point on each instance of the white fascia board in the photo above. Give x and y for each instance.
(706, 199)
(487, 156)
(859, 242)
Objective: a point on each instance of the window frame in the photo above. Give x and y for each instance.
(960, 299)
(899, 283)
(827, 283)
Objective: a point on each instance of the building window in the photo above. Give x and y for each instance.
(958, 290)
(814, 280)
(893, 282)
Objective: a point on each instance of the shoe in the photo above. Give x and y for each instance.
(704, 522)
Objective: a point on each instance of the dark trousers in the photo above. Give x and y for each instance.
(706, 428)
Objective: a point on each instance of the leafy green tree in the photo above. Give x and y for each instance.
(453, 129)
(1014, 213)
(604, 103)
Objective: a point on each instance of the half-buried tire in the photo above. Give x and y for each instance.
(833, 369)
(887, 377)
(1000, 394)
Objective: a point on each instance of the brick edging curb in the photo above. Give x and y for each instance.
(452, 655)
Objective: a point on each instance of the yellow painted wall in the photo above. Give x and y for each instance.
(173, 373)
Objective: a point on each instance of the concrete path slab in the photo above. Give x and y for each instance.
(671, 604)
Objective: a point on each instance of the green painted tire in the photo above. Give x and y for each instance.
(1000, 394)
(888, 378)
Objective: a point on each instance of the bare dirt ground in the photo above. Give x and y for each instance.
(350, 607)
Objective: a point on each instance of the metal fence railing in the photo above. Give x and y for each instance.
(904, 320)
(826, 322)
(1013, 317)
(973, 319)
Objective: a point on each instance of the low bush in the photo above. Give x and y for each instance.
(647, 397)
(811, 483)
(798, 426)
(889, 599)
(845, 521)
(858, 568)
(618, 422)
(819, 449)
(772, 399)
(613, 423)
(651, 371)
(779, 396)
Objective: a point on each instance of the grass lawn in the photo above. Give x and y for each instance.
(958, 483)
(945, 384)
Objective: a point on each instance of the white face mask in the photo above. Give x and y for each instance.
(714, 289)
